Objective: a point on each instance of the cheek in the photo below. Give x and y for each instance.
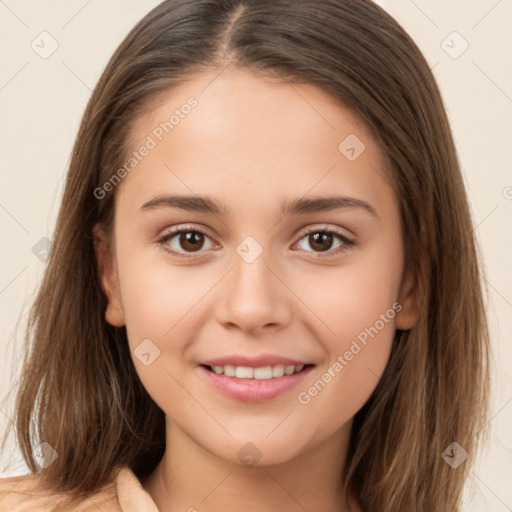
(158, 298)
(159, 303)
(357, 305)
(357, 358)
(348, 299)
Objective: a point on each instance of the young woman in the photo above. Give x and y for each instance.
(263, 291)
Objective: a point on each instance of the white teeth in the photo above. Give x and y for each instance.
(260, 373)
(229, 370)
(288, 370)
(244, 372)
(278, 370)
(263, 373)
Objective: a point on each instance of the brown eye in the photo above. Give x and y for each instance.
(185, 242)
(321, 241)
(327, 241)
(191, 240)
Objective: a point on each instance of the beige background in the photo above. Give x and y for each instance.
(41, 102)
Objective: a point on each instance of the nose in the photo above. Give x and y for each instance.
(254, 297)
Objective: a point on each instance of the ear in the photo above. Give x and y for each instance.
(107, 272)
(408, 316)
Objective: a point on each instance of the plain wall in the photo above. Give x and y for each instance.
(42, 100)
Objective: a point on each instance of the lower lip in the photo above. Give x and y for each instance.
(254, 390)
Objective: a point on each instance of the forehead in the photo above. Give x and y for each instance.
(253, 135)
(263, 104)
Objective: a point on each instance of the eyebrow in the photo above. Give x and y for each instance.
(300, 206)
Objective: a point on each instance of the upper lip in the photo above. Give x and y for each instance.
(251, 361)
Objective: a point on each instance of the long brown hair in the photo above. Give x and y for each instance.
(79, 390)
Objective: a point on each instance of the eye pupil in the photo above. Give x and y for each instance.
(189, 240)
(317, 240)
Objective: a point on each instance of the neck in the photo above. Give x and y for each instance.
(191, 478)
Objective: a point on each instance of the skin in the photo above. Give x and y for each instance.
(252, 143)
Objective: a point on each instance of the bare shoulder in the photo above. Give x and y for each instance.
(27, 493)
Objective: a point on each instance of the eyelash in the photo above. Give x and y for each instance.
(347, 242)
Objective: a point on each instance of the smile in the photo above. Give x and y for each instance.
(254, 384)
(260, 373)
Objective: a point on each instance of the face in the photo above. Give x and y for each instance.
(283, 253)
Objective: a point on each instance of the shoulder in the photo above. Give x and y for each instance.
(27, 493)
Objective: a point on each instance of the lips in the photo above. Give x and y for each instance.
(254, 379)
